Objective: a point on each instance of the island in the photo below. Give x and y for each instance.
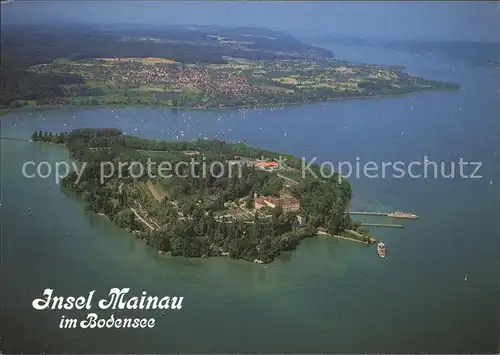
(252, 206)
(196, 67)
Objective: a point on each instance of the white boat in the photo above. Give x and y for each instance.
(381, 250)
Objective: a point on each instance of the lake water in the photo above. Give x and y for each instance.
(328, 295)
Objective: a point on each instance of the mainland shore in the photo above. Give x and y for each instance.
(5, 111)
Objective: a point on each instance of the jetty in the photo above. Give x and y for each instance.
(397, 214)
(357, 237)
(15, 138)
(388, 225)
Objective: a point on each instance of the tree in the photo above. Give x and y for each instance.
(131, 219)
(249, 203)
(278, 210)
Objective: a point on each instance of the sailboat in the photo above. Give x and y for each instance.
(381, 250)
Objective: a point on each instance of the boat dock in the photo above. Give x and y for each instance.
(15, 138)
(368, 213)
(356, 240)
(397, 214)
(388, 225)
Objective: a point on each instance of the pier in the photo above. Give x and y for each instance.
(16, 138)
(357, 237)
(368, 213)
(397, 214)
(388, 225)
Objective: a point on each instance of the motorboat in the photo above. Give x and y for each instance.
(381, 250)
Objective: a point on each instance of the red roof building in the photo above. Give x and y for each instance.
(287, 203)
(266, 164)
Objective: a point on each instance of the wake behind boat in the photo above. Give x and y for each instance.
(381, 250)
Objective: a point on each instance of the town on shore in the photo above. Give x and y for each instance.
(184, 68)
(239, 83)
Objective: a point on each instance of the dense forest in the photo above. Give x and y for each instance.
(190, 220)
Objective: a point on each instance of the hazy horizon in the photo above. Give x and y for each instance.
(434, 21)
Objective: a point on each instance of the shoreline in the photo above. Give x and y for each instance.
(28, 108)
(136, 232)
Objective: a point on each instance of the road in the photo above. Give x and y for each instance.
(287, 179)
(142, 219)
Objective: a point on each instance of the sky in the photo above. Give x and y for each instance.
(434, 20)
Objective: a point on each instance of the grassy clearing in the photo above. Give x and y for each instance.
(277, 88)
(345, 70)
(106, 86)
(143, 190)
(113, 97)
(292, 174)
(146, 61)
(156, 190)
(286, 80)
(218, 66)
(149, 88)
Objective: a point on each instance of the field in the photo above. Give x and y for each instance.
(286, 80)
(292, 174)
(156, 190)
(143, 190)
(145, 61)
(345, 70)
